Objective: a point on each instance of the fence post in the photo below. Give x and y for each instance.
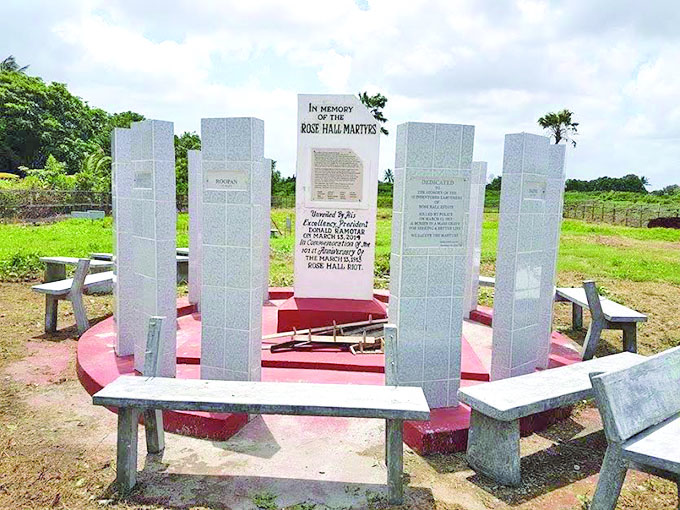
(641, 216)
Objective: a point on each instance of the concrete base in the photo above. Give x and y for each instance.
(446, 432)
(301, 313)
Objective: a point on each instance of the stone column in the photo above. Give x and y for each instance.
(474, 247)
(195, 215)
(231, 290)
(154, 211)
(528, 239)
(428, 261)
(124, 285)
(266, 213)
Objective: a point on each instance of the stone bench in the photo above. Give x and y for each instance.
(487, 281)
(640, 409)
(133, 395)
(605, 314)
(55, 267)
(493, 439)
(182, 262)
(72, 289)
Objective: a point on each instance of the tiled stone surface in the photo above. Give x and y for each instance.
(474, 246)
(152, 239)
(124, 287)
(427, 283)
(195, 233)
(528, 238)
(233, 241)
(266, 213)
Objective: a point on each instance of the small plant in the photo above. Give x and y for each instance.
(585, 501)
(265, 500)
(302, 506)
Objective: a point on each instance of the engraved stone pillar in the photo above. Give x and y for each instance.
(195, 215)
(528, 238)
(266, 213)
(429, 251)
(474, 247)
(124, 285)
(231, 291)
(154, 212)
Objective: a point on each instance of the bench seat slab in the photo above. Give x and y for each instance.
(658, 446)
(386, 402)
(493, 448)
(517, 397)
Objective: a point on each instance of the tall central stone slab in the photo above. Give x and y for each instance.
(154, 233)
(195, 217)
(232, 153)
(336, 201)
(428, 262)
(532, 191)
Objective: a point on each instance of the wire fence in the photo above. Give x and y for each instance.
(45, 205)
(628, 215)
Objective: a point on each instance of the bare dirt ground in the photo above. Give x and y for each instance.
(58, 451)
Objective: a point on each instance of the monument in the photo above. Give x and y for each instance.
(195, 215)
(124, 285)
(153, 239)
(474, 247)
(428, 263)
(532, 192)
(336, 202)
(266, 226)
(232, 154)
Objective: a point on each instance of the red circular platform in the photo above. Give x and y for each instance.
(98, 365)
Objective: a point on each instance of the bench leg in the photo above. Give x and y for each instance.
(493, 448)
(609, 485)
(576, 316)
(79, 312)
(153, 426)
(395, 460)
(629, 336)
(126, 460)
(54, 272)
(51, 309)
(592, 339)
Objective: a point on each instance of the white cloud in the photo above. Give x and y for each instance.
(496, 64)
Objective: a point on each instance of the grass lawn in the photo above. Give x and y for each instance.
(590, 250)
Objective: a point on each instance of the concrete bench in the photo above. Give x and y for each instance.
(55, 267)
(487, 281)
(640, 409)
(131, 395)
(605, 314)
(182, 262)
(493, 439)
(72, 289)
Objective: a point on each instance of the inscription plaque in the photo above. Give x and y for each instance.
(434, 211)
(143, 179)
(337, 175)
(534, 190)
(236, 180)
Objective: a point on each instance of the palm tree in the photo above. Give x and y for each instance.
(389, 176)
(10, 64)
(375, 104)
(560, 125)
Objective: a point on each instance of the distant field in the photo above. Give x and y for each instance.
(594, 250)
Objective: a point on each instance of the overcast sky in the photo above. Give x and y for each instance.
(498, 65)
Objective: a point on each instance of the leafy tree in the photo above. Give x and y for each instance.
(95, 173)
(560, 125)
(183, 143)
(375, 104)
(630, 182)
(10, 65)
(495, 184)
(52, 176)
(389, 176)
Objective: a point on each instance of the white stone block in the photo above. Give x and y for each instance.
(232, 247)
(429, 256)
(474, 246)
(195, 233)
(528, 239)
